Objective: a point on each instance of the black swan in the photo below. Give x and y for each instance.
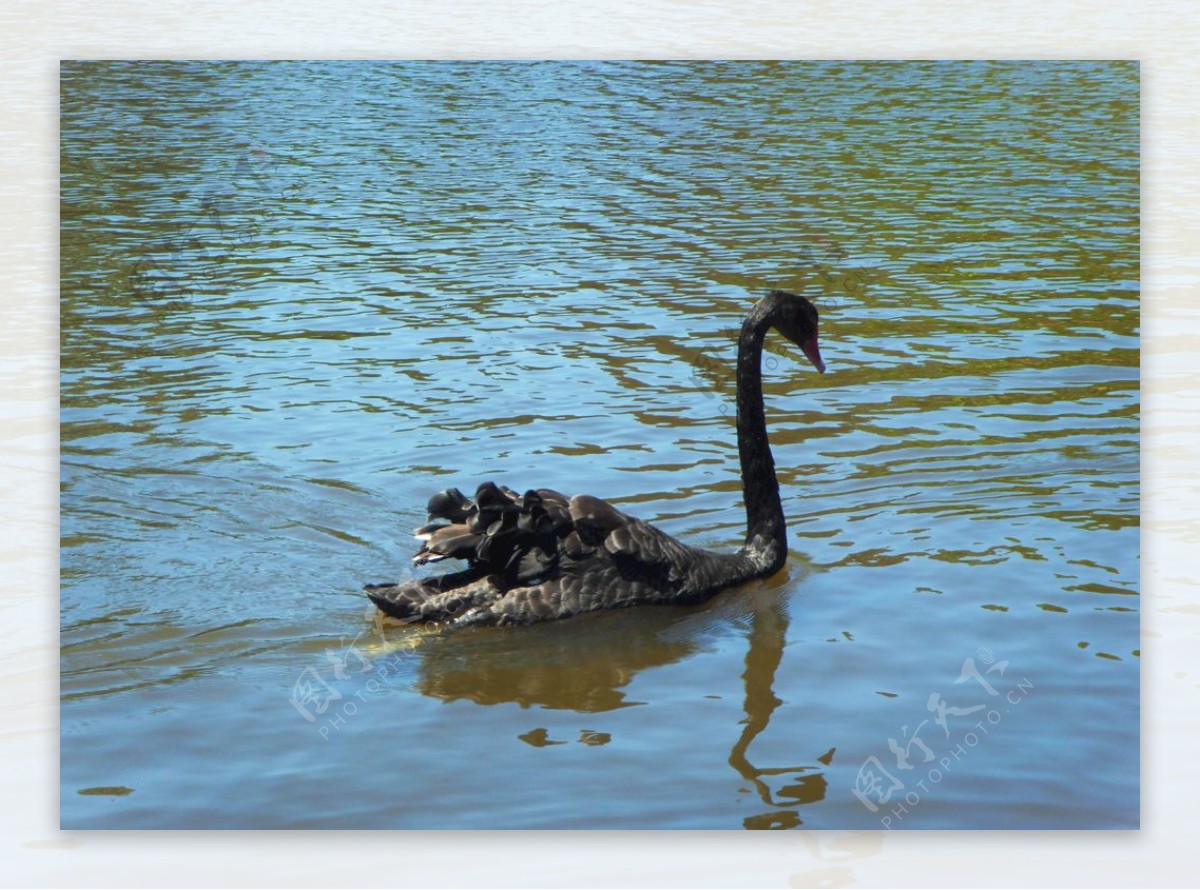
(544, 555)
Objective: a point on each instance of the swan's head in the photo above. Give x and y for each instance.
(796, 318)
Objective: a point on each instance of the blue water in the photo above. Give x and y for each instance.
(299, 298)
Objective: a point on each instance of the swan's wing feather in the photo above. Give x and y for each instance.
(524, 536)
(534, 556)
(447, 541)
(637, 547)
(498, 531)
(595, 519)
(450, 505)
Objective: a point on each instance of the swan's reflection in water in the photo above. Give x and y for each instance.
(586, 664)
(578, 665)
(767, 638)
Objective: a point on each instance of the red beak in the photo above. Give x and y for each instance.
(813, 351)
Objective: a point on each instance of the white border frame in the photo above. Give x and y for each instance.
(1158, 32)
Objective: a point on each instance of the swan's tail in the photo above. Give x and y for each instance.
(488, 600)
(440, 599)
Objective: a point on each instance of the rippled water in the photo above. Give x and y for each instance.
(298, 298)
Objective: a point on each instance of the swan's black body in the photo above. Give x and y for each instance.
(543, 555)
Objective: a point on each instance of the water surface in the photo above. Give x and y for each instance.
(299, 298)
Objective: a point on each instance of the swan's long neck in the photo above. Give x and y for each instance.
(766, 530)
